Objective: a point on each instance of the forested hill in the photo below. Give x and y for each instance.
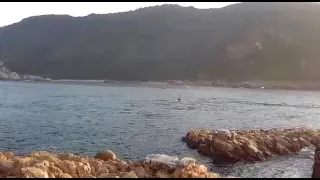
(244, 41)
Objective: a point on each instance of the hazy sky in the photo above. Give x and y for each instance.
(11, 12)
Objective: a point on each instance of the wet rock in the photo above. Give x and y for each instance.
(106, 155)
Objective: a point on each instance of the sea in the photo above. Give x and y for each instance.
(137, 120)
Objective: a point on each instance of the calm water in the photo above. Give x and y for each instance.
(137, 121)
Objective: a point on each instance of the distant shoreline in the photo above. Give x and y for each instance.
(263, 85)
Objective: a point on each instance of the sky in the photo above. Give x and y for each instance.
(12, 12)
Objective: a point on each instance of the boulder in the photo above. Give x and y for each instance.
(106, 155)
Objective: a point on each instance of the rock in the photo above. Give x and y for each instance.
(108, 175)
(102, 170)
(316, 165)
(250, 148)
(222, 146)
(32, 172)
(64, 175)
(83, 169)
(123, 166)
(223, 134)
(130, 174)
(204, 149)
(68, 167)
(54, 169)
(162, 174)
(49, 157)
(140, 172)
(7, 155)
(106, 155)
(212, 175)
(43, 164)
(251, 145)
(5, 74)
(5, 167)
(200, 169)
(233, 135)
(177, 173)
(19, 163)
(187, 161)
(155, 160)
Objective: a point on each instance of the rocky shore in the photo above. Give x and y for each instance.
(251, 145)
(105, 164)
(7, 75)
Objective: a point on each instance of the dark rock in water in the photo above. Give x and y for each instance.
(316, 165)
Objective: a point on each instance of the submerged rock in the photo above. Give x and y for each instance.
(251, 145)
(43, 164)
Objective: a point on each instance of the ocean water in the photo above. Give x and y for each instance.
(139, 120)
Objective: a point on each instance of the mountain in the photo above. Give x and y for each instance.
(244, 41)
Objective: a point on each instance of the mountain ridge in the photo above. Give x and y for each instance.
(243, 41)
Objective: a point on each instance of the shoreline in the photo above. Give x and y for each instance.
(262, 85)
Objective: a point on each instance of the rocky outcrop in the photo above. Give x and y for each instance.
(7, 75)
(251, 145)
(316, 165)
(66, 165)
